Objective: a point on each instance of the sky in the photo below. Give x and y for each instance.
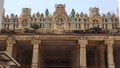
(15, 6)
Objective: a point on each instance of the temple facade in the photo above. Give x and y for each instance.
(61, 40)
(60, 20)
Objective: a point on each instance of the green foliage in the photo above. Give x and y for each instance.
(36, 26)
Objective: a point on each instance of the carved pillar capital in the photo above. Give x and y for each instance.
(36, 41)
(109, 40)
(10, 41)
(83, 41)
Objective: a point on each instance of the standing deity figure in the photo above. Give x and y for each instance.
(46, 12)
(73, 13)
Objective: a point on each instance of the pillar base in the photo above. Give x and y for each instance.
(7, 66)
(34, 66)
(83, 66)
(111, 66)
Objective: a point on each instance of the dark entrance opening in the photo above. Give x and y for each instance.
(57, 54)
(3, 46)
(117, 56)
(92, 57)
(96, 55)
(24, 52)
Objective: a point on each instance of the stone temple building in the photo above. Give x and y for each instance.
(60, 20)
(62, 40)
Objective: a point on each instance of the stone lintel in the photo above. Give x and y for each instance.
(58, 37)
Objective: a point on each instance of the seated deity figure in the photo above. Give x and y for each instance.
(95, 23)
(60, 23)
(24, 22)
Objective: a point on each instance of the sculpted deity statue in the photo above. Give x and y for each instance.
(24, 22)
(46, 12)
(73, 13)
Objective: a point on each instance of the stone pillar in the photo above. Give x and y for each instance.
(109, 42)
(104, 26)
(55, 26)
(10, 41)
(77, 25)
(83, 42)
(36, 42)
